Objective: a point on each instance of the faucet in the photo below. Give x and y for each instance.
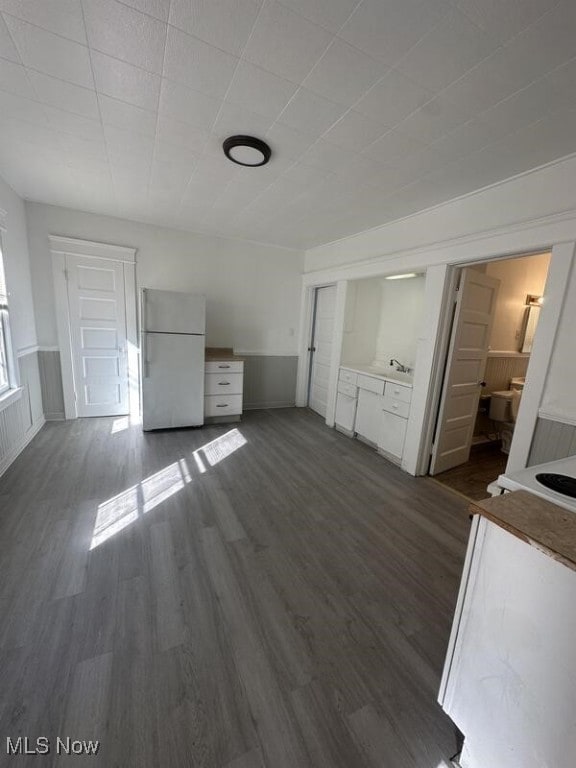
(400, 367)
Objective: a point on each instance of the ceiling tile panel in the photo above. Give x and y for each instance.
(13, 79)
(233, 119)
(50, 53)
(466, 139)
(285, 43)
(503, 20)
(447, 52)
(160, 9)
(64, 17)
(124, 115)
(7, 48)
(66, 122)
(225, 24)
(310, 113)
(387, 30)
(331, 14)
(355, 131)
(259, 90)
(200, 66)
(22, 109)
(344, 73)
(183, 103)
(62, 95)
(125, 82)
(431, 121)
(392, 99)
(181, 135)
(126, 34)
(393, 146)
(287, 142)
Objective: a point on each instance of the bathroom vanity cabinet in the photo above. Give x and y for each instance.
(374, 407)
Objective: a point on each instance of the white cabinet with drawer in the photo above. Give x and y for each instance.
(394, 419)
(223, 388)
(349, 377)
(368, 415)
(346, 400)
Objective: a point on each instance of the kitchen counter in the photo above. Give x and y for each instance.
(371, 370)
(225, 354)
(536, 521)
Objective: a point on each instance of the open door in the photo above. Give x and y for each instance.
(465, 366)
(321, 348)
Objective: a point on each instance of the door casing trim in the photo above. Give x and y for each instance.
(60, 248)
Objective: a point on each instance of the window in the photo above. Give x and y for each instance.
(4, 333)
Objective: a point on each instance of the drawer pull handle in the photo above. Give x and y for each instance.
(395, 407)
(223, 366)
(222, 405)
(223, 383)
(396, 391)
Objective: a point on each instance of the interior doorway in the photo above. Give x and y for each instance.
(95, 292)
(495, 318)
(320, 348)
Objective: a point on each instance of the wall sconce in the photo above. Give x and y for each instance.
(533, 305)
(532, 300)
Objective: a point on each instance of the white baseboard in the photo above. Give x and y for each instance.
(19, 447)
(56, 416)
(266, 406)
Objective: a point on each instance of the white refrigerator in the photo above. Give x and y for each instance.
(173, 327)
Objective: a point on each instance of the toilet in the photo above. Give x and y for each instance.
(504, 405)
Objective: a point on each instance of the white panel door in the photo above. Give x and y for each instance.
(321, 348)
(97, 308)
(465, 367)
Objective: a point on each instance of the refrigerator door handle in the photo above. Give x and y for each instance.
(146, 360)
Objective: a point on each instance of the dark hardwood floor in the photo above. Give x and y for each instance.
(472, 478)
(262, 595)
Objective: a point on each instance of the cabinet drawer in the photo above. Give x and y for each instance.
(217, 366)
(371, 384)
(398, 392)
(393, 405)
(223, 383)
(347, 376)
(222, 405)
(348, 389)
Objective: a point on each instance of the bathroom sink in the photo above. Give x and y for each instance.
(390, 373)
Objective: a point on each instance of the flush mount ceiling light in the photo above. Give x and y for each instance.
(401, 277)
(247, 150)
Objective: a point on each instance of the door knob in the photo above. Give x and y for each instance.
(482, 383)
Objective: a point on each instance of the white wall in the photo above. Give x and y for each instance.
(252, 290)
(519, 277)
(361, 319)
(401, 313)
(17, 268)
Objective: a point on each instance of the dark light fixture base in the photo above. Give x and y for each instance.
(250, 142)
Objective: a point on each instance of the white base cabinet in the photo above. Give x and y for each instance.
(223, 388)
(368, 415)
(392, 434)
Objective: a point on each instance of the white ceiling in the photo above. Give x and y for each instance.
(373, 109)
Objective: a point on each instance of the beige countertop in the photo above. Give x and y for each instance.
(538, 522)
(221, 353)
(378, 373)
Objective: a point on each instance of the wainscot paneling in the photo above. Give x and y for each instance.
(499, 371)
(552, 440)
(269, 381)
(21, 420)
(51, 380)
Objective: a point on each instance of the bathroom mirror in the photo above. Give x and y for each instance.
(530, 323)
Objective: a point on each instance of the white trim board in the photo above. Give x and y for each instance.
(558, 417)
(71, 246)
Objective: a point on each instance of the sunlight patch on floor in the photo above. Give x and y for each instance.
(220, 448)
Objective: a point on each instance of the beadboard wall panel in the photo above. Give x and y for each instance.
(552, 440)
(499, 371)
(21, 420)
(51, 380)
